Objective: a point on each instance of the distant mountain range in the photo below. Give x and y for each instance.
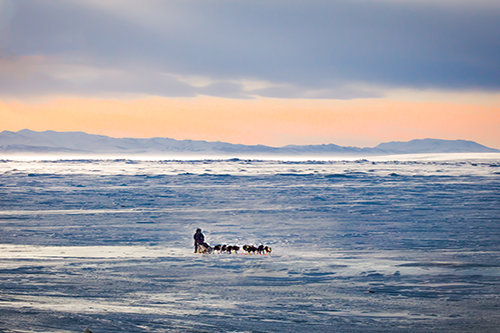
(29, 142)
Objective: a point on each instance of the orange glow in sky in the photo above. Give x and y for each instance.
(274, 122)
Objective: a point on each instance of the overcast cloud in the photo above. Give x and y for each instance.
(242, 49)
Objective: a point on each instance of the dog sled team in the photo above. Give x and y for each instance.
(201, 247)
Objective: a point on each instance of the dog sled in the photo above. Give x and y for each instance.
(204, 249)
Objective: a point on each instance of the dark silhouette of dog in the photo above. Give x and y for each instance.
(249, 249)
(232, 248)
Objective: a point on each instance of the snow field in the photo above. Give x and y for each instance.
(358, 246)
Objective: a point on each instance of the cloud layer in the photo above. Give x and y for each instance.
(243, 49)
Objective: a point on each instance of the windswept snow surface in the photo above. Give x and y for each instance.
(379, 245)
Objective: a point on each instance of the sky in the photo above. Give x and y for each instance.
(353, 73)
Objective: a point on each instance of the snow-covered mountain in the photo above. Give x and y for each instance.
(51, 142)
(434, 146)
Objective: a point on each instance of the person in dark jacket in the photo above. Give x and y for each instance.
(199, 238)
